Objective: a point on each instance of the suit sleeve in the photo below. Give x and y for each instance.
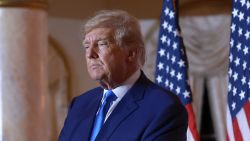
(62, 135)
(169, 125)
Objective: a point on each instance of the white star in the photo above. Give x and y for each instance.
(235, 12)
(248, 20)
(230, 57)
(243, 2)
(242, 95)
(181, 63)
(238, 46)
(230, 72)
(173, 59)
(171, 14)
(243, 80)
(179, 76)
(161, 52)
(234, 91)
(168, 42)
(235, 76)
(248, 84)
(229, 87)
(172, 73)
(167, 69)
(171, 86)
(159, 79)
(237, 61)
(163, 39)
(186, 94)
(178, 90)
(170, 28)
(245, 50)
(248, 4)
(166, 83)
(165, 25)
(166, 11)
(174, 45)
(233, 27)
(241, 16)
(231, 42)
(247, 35)
(240, 31)
(160, 66)
(168, 56)
(233, 105)
(175, 33)
(244, 65)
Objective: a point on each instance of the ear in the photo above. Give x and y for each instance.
(132, 53)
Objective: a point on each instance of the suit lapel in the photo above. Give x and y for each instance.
(124, 108)
(83, 122)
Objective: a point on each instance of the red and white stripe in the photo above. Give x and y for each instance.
(192, 132)
(238, 127)
(190, 137)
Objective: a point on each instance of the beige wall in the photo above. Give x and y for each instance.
(143, 9)
(66, 33)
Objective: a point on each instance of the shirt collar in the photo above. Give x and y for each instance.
(121, 90)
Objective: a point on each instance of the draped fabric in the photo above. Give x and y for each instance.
(207, 43)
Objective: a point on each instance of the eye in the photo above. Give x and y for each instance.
(85, 45)
(103, 43)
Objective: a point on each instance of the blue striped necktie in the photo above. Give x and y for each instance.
(99, 120)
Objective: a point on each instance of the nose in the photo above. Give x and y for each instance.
(91, 52)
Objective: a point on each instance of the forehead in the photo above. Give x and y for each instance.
(98, 34)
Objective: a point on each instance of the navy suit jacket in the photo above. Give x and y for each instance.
(146, 113)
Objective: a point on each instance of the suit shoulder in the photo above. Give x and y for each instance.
(161, 102)
(161, 95)
(87, 96)
(84, 99)
(90, 93)
(154, 92)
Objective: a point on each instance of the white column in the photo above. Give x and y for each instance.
(1, 113)
(23, 71)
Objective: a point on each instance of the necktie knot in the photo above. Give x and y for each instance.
(109, 97)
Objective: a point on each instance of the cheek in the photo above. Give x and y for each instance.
(113, 61)
(105, 59)
(118, 62)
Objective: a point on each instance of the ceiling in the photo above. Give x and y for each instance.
(143, 9)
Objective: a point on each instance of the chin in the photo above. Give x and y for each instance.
(96, 76)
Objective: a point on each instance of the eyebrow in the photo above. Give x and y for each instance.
(99, 39)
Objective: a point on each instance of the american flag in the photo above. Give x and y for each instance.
(238, 109)
(171, 65)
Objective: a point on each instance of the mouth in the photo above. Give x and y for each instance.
(94, 66)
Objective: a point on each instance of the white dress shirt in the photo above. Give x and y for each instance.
(121, 90)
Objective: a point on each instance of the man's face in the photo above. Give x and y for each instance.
(106, 61)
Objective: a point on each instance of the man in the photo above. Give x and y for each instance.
(127, 106)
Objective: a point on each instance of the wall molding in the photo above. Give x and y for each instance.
(41, 4)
